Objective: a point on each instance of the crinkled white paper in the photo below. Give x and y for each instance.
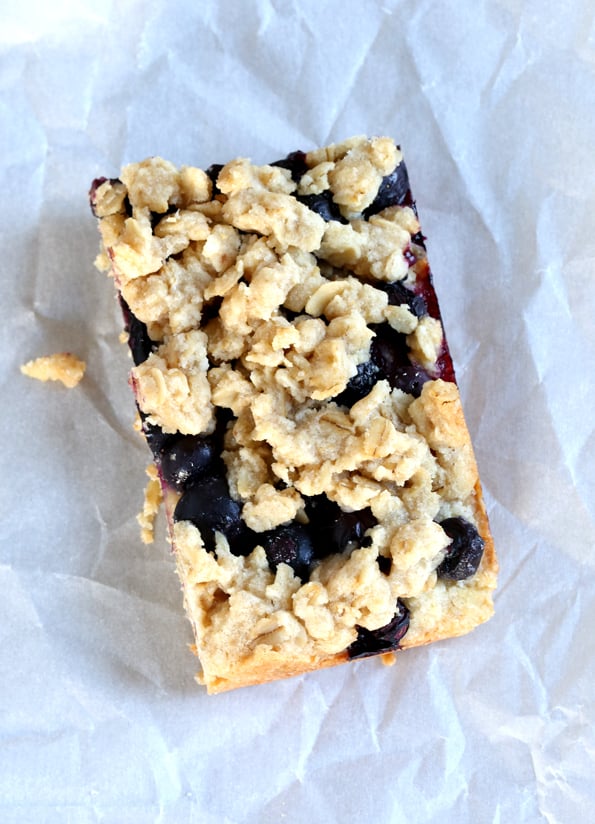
(494, 106)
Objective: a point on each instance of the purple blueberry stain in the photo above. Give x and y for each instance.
(99, 181)
(409, 257)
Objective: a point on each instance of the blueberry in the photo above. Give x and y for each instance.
(399, 294)
(295, 162)
(292, 545)
(410, 379)
(359, 385)
(185, 458)
(324, 205)
(333, 530)
(464, 554)
(207, 503)
(390, 353)
(388, 350)
(350, 528)
(384, 639)
(394, 191)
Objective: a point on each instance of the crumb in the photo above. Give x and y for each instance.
(388, 659)
(152, 502)
(62, 366)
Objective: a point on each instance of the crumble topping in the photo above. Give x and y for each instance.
(172, 385)
(62, 366)
(241, 174)
(356, 177)
(280, 217)
(425, 341)
(259, 305)
(371, 248)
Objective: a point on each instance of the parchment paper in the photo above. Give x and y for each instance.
(494, 105)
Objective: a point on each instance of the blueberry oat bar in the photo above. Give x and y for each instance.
(296, 390)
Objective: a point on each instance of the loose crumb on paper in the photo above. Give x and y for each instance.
(151, 505)
(62, 366)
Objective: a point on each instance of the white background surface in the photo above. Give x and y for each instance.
(494, 105)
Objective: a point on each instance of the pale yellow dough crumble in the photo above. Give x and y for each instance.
(62, 366)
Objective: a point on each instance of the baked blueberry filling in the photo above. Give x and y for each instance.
(207, 504)
(359, 385)
(295, 162)
(399, 295)
(333, 529)
(186, 458)
(384, 639)
(464, 554)
(139, 341)
(390, 353)
(289, 544)
(154, 435)
(324, 205)
(389, 360)
(394, 191)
